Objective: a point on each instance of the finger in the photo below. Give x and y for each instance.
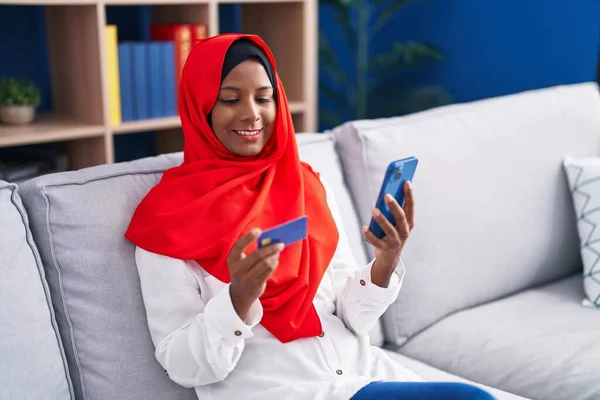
(372, 239)
(386, 226)
(397, 211)
(409, 205)
(260, 254)
(399, 216)
(265, 267)
(237, 251)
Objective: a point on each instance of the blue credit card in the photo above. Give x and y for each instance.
(286, 233)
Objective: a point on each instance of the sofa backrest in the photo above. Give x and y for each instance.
(32, 362)
(493, 209)
(78, 219)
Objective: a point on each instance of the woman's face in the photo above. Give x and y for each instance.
(243, 116)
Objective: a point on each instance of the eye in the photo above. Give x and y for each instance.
(264, 99)
(229, 101)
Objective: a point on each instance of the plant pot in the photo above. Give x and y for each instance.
(17, 115)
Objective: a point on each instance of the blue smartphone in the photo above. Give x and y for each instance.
(396, 175)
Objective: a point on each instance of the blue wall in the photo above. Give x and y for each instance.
(492, 47)
(501, 47)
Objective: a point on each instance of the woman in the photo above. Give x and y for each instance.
(229, 319)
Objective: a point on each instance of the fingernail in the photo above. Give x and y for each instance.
(280, 246)
(388, 197)
(409, 184)
(376, 212)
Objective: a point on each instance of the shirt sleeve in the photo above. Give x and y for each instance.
(359, 302)
(197, 342)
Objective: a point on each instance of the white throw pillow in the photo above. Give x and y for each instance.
(584, 181)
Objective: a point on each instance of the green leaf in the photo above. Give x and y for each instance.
(387, 14)
(405, 54)
(343, 18)
(380, 2)
(16, 91)
(330, 62)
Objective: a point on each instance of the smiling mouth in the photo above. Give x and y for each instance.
(248, 133)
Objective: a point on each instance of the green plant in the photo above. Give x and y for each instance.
(19, 92)
(373, 85)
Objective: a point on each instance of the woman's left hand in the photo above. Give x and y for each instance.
(388, 250)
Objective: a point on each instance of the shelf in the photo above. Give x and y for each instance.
(155, 124)
(79, 90)
(136, 2)
(257, 1)
(296, 107)
(49, 2)
(47, 129)
(153, 2)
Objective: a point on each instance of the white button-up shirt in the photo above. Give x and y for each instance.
(201, 342)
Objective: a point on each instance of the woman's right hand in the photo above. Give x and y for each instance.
(249, 273)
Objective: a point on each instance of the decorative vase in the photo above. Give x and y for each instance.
(17, 115)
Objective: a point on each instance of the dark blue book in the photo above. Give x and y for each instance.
(125, 82)
(168, 56)
(156, 83)
(140, 81)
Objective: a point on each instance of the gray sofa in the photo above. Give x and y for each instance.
(493, 287)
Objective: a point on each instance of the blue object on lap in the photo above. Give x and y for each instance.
(421, 391)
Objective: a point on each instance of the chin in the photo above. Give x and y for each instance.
(249, 151)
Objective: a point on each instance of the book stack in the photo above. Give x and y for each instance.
(143, 76)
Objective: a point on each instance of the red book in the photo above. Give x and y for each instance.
(181, 35)
(199, 31)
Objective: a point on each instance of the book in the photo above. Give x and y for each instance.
(139, 81)
(112, 70)
(125, 80)
(171, 88)
(199, 31)
(157, 84)
(181, 35)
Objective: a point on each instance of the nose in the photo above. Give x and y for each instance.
(250, 112)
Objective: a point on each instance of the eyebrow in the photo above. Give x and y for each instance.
(238, 89)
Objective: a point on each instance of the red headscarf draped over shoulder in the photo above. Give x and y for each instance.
(201, 207)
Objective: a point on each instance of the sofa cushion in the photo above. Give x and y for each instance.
(31, 355)
(584, 182)
(78, 220)
(540, 344)
(493, 210)
(431, 374)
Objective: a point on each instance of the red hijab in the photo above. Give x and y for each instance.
(201, 207)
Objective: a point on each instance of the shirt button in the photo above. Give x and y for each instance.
(238, 333)
(362, 282)
(321, 334)
(339, 372)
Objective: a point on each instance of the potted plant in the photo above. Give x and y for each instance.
(19, 99)
(376, 83)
